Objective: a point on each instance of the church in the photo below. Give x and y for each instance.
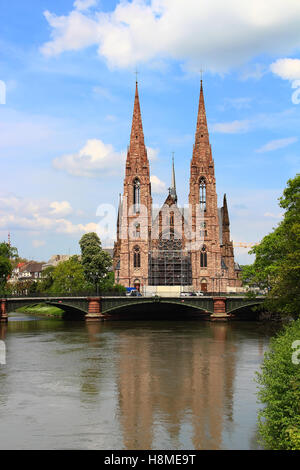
(189, 246)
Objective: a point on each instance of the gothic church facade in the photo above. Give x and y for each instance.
(188, 247)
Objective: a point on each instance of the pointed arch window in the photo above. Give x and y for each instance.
(136, 257)
(202, 194)
(172, 218)
(136, 195)
(203, 257)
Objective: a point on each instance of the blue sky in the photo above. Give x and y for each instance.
(68, 69)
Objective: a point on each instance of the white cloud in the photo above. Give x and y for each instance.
(60, 208)
(233, 127)
(39, 216)
(72, 32)
(288, 69)
(38, 223)
(93, 159)
(277, 144)
(84, 4)
(244, 30)
(157, 186)
(96, 159)
(152, 154)
(29, 207)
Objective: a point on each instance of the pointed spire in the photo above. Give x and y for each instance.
(137, 147)
(202, 146)
(225, 223)
(225, 212)
(173, 184)
(172, 189)
(119, 216)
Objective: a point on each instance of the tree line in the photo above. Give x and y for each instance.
(276, 268)
(88, 273)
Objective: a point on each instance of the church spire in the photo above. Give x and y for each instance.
(137, 149)
(225, 212)
(119, 216)
(225, 223)
(202, 146)
(172, 189)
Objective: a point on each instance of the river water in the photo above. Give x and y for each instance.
(130, 385)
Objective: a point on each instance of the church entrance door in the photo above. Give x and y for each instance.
(203, 285)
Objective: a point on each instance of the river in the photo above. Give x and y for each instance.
(130, 385)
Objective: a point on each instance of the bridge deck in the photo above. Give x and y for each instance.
(107, 304)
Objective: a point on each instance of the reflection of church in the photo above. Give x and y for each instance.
(178, 389)
(175, 246)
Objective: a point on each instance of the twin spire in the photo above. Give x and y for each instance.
(137, 150)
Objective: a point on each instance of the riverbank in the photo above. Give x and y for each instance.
(42, 310)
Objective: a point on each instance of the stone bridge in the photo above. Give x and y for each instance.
(101, 308)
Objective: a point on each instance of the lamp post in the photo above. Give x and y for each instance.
(218, 278)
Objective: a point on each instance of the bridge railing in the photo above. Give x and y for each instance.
(41, 295)
(119, 294)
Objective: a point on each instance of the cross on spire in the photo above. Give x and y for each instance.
(136, 75)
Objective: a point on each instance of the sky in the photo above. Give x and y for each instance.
(67, 84)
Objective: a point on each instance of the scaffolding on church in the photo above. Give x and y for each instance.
(169, 268)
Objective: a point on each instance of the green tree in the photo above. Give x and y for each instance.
(95, 261)
(7, 253)
(68, 277)
(108, 285)
(279, 391)
(46, 282)
(277, 257)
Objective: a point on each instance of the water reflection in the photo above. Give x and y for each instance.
(126, 385)
(183, 378)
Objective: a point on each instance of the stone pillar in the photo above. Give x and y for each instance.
(94, 313)
(219, 308)
(3, 314)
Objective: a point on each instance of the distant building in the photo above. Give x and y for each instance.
(32, 270)
(55, 260)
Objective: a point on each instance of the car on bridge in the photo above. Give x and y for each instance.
(134, 293)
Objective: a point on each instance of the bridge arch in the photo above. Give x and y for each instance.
(156, 306)
(74, 309)
(242, 307)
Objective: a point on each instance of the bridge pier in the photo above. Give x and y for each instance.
(219, 309)
(94, 312)
(3, 313)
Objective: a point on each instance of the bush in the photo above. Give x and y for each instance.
(279, 381)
